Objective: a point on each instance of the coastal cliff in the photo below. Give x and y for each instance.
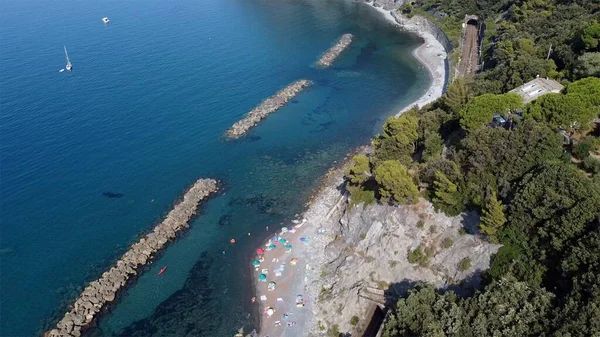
(373, 254)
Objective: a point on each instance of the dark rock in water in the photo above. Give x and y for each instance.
(294, 101)
(253, 138)
(260, 203)
(105, 289)
(112, 195)
(183, 313)
(225, 220)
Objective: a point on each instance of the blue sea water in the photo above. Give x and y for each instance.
(143, 114)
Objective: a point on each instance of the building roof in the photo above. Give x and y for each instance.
(536, 88)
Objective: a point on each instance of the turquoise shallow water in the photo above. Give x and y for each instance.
(143, 114)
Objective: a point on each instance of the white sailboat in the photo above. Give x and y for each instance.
(69, 66)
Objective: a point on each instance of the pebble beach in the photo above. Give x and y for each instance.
(277, 305)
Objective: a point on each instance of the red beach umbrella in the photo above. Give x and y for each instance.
(260, 251)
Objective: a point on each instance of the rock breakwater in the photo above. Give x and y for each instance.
(268, 106)
(104, 290)
(334, 52)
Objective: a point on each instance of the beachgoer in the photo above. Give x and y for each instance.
(253, 299)
(267, 228)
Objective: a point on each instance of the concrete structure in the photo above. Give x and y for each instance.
(536, 88)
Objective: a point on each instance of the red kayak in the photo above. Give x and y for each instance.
(162, 270)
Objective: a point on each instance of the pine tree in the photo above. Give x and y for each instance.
(360, 171)
(447, 196)
(456, 97)
(492, 218)
(395, 182)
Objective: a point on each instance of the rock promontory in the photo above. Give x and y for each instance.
(334, 52)
(268, 106)
(105, 289)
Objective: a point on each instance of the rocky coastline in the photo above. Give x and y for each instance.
(334, 52)
(104, 290)
(268, 106)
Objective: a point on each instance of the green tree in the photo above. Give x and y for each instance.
(509, 308)
(432, 147)
(591, 36)
(447, 196)
(582, 149)
(569, 112)
(492, 218)
(456, 96)
(398, 140)
(554, 204)
(587, 87)
(588, 64)
(481, 109)
(425, 312)
(360, 171)
(395, 182)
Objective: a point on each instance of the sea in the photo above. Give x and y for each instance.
(92, 159)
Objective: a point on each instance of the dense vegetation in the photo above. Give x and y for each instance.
(519, 34)
(535, 181)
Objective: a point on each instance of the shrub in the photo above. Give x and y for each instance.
(420, 224)
(447, 243)
(420, 255)
(354, 320)
(592, 165)
(464, 264)
(582, 149)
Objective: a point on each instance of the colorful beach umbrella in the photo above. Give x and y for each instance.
(294, 260)
(288, 246)
(262, 277)
(282, 240)
(256, 263)
(284, 229)
(260, 251)
(272, 246)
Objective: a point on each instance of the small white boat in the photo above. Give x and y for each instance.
(105, 19)
(69, 66)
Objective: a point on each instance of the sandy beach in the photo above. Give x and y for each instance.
(308, 234)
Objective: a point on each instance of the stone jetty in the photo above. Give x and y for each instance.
(334, 52)
(268, 106)
(104, 290)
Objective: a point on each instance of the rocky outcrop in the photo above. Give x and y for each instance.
(268, 106)
(420, 23)
(385, 4)
(363, 259)
(104, 290)
(334, 52)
